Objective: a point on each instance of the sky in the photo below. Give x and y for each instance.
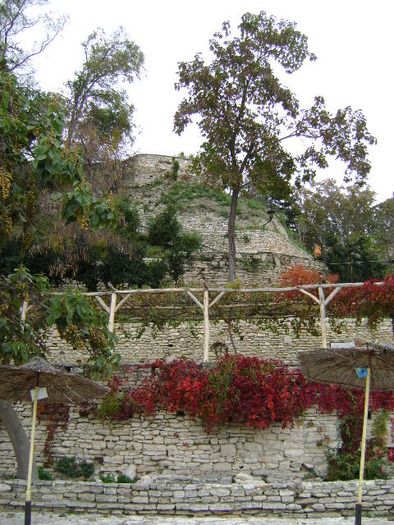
(352, 40)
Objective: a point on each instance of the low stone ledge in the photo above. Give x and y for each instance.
(171, 496)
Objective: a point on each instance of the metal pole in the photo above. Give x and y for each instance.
(30, 470)
(363, 448)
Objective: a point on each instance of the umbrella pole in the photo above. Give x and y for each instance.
(30, 471)
(363, 448)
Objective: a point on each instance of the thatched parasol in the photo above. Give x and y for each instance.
(369, 367)
(337, 366)
(62, 387)
(35, 380)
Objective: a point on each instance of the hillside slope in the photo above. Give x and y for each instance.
(263, 252)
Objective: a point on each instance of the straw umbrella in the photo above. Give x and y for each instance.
(370, 367)
(37, 380)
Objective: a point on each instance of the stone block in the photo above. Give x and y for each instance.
(222, 467)
(220, 492)
(228, 450)
(273, 505)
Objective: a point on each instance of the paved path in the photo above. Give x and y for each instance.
(17, 518)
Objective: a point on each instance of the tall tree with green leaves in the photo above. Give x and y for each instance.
(383, 230)
(24, 17)
(343, 221)
(246, 115)
(34, 160)
(100, 114)
(330, 210)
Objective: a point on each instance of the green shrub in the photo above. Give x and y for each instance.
(71, 468)
(122, 478)
(164, 228)
(129, 219)
(44, 475)
(108, 478)
(111, 405)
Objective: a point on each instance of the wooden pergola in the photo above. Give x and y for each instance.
(192, 303)
(183, 304)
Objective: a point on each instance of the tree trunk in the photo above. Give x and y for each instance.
(231, 235)
(18, 438)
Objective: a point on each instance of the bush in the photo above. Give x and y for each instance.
(71, 468)
(44, 475)
(122, 478)
(108, 478)
(164, 228)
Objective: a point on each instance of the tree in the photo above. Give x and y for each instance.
(31, 157)
(342, 220)
(18, 437)
(16, 18)
(23, 336)
(245, 114)
(33, 160)
(383, 229)
(99, 112)
(356, 260)
(328, 210)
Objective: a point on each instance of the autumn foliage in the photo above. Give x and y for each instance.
(374, 301)
(238, 388)
(299, 275)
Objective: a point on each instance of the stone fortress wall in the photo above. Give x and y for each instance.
(261, 254)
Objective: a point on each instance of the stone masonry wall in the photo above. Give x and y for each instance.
(182, 496)
(144, 169)
(187, 340)
(170, 441)
(261, 257)
(175, 443)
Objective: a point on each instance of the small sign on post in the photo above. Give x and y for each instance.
(41, 394)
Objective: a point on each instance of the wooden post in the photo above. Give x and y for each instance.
(112, 310)
(23, 314)
(323, 322)
(206, 325)
(31, 454)
(323, 303)
(363, 448)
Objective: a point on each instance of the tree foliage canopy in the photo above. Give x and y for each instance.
(351, 231)
(16, 18)
(36, 163)
(32, 156)
(99, 109)
(245, 114)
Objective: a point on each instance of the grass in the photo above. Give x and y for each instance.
(199, 198)
(183, 194)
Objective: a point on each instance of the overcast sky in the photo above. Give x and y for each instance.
(351, 38)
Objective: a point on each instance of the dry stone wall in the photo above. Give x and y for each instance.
(175, 443)
(187, 340)
(261, 256)
(185, 495)
(172, 442)
(143, 169)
